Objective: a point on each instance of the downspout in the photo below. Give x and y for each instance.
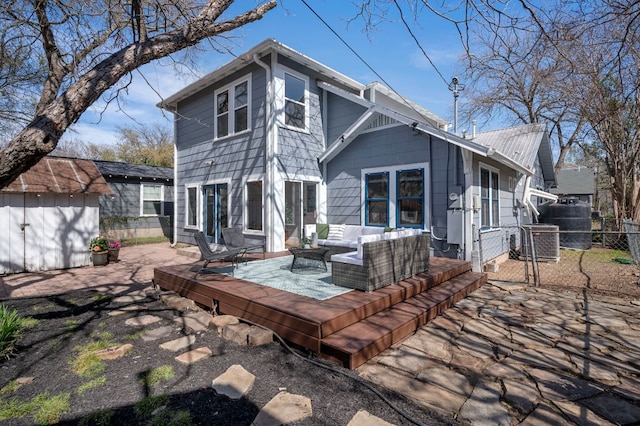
(269, 178)
(471, 249)
(175, 184)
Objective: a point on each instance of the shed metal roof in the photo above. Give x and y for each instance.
(521, 144)
(61, 176)
(120, 169)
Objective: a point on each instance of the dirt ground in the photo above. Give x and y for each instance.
(69, 322)
(599, 270)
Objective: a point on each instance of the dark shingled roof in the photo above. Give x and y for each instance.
(112, 168)
(62, 176)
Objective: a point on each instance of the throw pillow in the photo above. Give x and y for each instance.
(335, 232)
(322, 229)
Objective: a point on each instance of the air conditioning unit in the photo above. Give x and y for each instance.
(544, 239)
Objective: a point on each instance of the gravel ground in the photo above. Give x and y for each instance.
(70, 321)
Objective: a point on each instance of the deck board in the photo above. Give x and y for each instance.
(350, 328)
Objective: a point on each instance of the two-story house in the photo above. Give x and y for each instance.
(274, 140)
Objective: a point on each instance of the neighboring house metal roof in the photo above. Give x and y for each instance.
(521, 144)
(575, 181)
(267, 46)
(120, 169)
(61, 176)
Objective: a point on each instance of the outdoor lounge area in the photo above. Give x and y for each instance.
(348, 327)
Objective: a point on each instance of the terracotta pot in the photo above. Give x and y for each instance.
(100, 258)
(113, 254)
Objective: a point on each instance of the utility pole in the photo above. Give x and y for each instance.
(456, 88)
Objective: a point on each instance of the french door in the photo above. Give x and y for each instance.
(301, 200)
(215, 210)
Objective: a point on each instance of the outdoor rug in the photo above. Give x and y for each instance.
(311, 281)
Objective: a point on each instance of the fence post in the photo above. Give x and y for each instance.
(534, 260)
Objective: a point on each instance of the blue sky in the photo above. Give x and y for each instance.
(390, 51)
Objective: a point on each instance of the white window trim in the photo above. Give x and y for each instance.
(245, 210)
(232, 109)
(200, 200)
(497, 172)
(198, 206)
(393, 188)
(280, 98)
(142, 199)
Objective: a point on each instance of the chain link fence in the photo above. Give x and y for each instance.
(600, 260)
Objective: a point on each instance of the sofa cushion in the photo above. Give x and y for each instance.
(352, 232)
(392, 235)
(372, 230)
(339, 243)
(336, 232)
(366, 239)
(322, 229)
(350, 258)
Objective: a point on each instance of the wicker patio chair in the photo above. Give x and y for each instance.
(234, 240)
(208, 255)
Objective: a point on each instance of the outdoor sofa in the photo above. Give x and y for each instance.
(339, 238)
(382, 260)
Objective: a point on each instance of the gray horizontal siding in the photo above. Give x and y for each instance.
(341, 114)
(233, 158)
(387, 147)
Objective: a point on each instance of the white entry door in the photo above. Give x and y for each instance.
(12, 245)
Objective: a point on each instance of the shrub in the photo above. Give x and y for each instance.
(11, 327)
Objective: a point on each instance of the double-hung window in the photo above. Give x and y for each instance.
(191, 207)
(253, 206)
(232, 109)
(489, 196)
(377, 199)
(410, 198)
(151, 200)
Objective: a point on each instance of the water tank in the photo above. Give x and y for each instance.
(572, 216)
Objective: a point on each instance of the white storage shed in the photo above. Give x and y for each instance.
(50, 214)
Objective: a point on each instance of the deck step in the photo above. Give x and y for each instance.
(359, 342)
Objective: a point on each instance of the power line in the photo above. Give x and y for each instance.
(408, 103)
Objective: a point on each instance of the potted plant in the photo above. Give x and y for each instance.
(114, 250)
(305, 242)
(99, 248)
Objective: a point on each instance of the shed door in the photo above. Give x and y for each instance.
(12, 245)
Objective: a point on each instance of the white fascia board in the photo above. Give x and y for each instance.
(503, 159)
(344, 94)
(348, 136)
(265, 47)
(423, 127)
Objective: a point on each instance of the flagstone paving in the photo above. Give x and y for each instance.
(529, 356)
(508, 354)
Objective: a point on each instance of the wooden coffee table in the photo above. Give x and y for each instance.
(315, 254)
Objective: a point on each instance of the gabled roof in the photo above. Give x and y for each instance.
(262, 49)
(521, 144)
(574, 181)
(127, 170)
(61, 176)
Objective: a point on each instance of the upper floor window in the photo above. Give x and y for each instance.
(489, 196)
(232, 109)
(292, 96)
(294, 101)
(152, 200)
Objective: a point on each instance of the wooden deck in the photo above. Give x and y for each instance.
(350, 328)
